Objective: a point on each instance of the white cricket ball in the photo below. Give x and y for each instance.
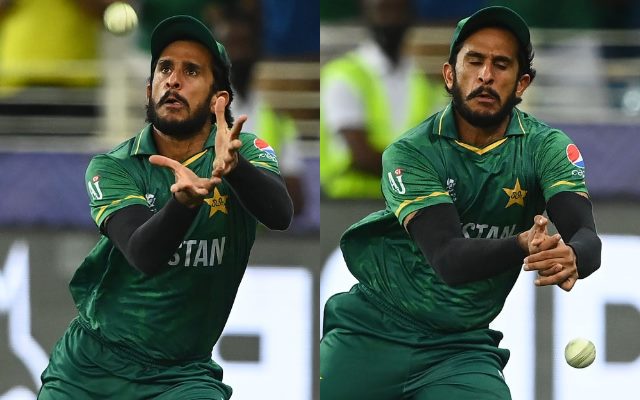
(120, 18)
(580, 353)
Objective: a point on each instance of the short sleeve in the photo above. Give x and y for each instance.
(110, 188)
(561, 167)
(409, 181)
(258, 152)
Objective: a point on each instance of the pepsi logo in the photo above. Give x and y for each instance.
(264, 146)
(573, 154)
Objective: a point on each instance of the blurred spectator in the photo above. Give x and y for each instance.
(49, 42)
(240, 31)
(368, 98)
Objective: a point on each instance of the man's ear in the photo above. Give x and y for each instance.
(448, 75)
(212, 104)
(523, 84)
(148, 91)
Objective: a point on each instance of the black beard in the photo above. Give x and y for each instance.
(180, 129)
(483, 120)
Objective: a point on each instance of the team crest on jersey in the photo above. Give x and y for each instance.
(267, 151)
(93, 186)
(516, 195)
(217, 203)
(395, 180)
(574, 155)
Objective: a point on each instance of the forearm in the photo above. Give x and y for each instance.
(572, 215)
(262, 193)
(459, 260)
(149, 240)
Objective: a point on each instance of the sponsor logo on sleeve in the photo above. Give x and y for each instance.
(267, 151)
(574, 155)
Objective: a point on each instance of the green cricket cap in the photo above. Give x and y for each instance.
(492, 16)
(185, 27)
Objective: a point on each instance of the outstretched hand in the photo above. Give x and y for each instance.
(189, 189)
(227, 142)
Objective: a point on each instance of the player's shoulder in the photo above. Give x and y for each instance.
(251, 140)
(118, 157)
(535, 128)
(421, 136)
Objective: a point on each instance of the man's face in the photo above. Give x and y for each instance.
(485, 82)
(180, 96)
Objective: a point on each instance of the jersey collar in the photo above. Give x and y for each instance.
(445, 124)
(144, 144)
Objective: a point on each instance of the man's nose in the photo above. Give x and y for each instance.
(485, 74)
(173, 82)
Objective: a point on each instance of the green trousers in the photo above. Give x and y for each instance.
(81, 367)
(369, 352)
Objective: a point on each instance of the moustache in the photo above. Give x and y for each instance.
(176, 96)
(484, 90)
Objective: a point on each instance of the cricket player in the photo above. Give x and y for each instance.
(177, 207)
(462, 191)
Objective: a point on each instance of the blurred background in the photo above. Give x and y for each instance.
(587, 56)
(68, 90)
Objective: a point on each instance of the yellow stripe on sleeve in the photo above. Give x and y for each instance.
(264, 165)
(407, 202)
(559, 183)
(104, 208)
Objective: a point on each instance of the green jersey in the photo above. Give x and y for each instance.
(180, 313)
(497, 190)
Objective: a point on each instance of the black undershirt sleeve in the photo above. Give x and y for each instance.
(456, 259)
(263, 193)
(148, 240)
(572, 215)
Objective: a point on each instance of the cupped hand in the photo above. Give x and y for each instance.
(189, 189)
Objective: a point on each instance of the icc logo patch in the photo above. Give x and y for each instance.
(396, 182)
(574, 155)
